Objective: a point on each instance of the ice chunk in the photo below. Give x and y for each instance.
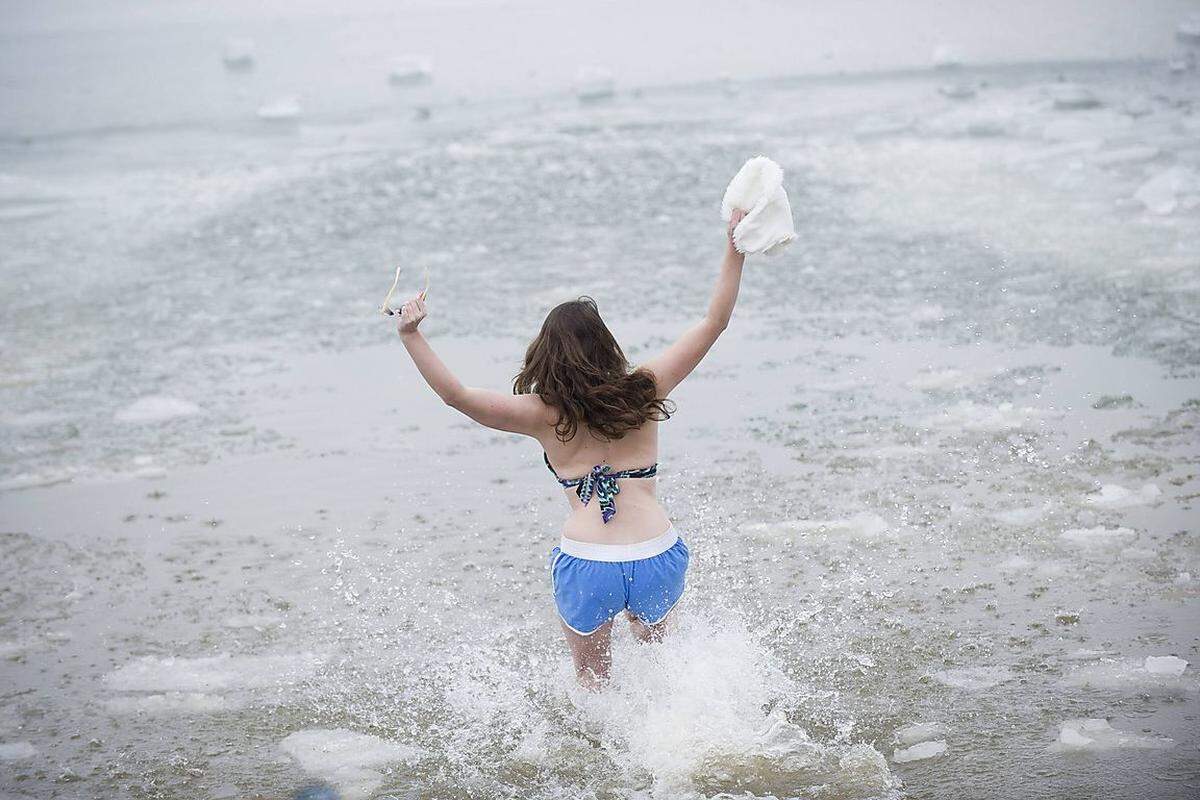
(214, 673)
(919, 752)
(1162, 193)
(864, 524)
(957, 91)
(17, 751)
(940, 380)
(283, 109)
(593, 84)
(156, 408)
(1071, 97)
(1165, 665)
(947, 56)
(410, 71)
(170, 703)
(256, 621)
(1023, 516)
(877, 127)
(1114, 496)
(1138, 106)
(981, 418)
(1188, 30)
(1133, 675)
(1135, 154)
(974, 678)
(1077, 735)
(349, 760)
(918, 732)
(238, 54)
(1099, 536)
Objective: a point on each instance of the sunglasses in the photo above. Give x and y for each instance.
(386, 308)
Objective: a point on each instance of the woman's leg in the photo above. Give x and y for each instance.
(592, 655)
(648, 633)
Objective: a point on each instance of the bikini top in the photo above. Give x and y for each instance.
(602, 482)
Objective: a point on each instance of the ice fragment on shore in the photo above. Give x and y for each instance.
(919, 752)
(1077, 735)
(1023, 516)
(156, 408)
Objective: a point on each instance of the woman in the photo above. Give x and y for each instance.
(597, 423)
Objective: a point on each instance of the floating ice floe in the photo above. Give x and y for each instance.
(940, 380)
(878, 127)
(23, 199)
(1114, 496)
(1138, 106)
(255, 621)
(17, 751)
(593, 84)
(986, 419)
(1134, 154)
(1078, 735)
(957, 91)
(918, 732)
(864, 524)
(156, 408)
(214, 673)
(974, 678)
(410, 71)
(1188, 30)
(1098, 536)
(947, 56)
(919, 752)
(169, 703)
(238, 54)
(1072, 97)
(1165, 665)
(350, 761)
(283, 109)
(1154, 673)
(1169, 189)
(1026, 515)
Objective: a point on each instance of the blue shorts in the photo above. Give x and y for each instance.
(595, 582)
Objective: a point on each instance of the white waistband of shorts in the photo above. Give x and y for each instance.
(595, 551)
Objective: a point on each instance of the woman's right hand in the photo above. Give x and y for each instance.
(411, 314)
(734, 219)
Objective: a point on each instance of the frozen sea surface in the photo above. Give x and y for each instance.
(245, 550)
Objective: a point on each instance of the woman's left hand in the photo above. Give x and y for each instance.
(411, 314)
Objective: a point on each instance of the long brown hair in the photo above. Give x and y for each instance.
(576, 365)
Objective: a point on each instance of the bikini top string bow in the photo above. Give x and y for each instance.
(601, 483)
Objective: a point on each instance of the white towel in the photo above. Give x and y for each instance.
(758, 189)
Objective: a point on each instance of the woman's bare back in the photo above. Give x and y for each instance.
(639, 515)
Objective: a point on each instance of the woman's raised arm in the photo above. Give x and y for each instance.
(505, 412)
(676, 362)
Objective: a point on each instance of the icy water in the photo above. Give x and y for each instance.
(939, 479)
